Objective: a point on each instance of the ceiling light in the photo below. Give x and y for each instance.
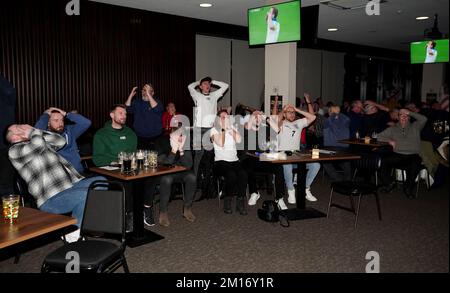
(422, 17)
(206, 5)
(333, 29)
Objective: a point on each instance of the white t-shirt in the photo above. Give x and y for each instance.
(272, 34)
(289, 136)
(228, 152)
(205, 110)
(431, 55)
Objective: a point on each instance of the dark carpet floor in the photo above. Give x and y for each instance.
(412, 237)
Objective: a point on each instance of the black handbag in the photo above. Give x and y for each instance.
(271, 213)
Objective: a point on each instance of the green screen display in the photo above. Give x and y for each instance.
(429, 51)
(275, 23)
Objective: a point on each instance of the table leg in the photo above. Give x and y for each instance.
(301, 212)
(140, 235)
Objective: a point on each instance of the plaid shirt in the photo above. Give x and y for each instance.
(43, 169)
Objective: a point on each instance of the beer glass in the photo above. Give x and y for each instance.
(11, 207)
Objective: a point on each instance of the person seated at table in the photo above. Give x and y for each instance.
(289, 140)
(356, 115)
(53, 120)
(55, 184)
(404, 138)
(113, 138)
(393, 117)
(336, 128)
(109, 141)
(226, 162)
(257, 132)
(167, 116)
(376, 118)
(178, 155)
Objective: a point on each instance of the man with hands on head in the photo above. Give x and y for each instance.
(404, 137)
(55, 184)
(147, 112)
(205, 111)
(289, 140)
(53, 119)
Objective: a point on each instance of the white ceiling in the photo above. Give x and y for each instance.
(394, 28)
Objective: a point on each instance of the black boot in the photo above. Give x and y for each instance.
(240, 206)
(227, 205)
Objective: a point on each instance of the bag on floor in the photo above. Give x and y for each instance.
(271, 213)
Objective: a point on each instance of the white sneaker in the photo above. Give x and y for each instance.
(294, 181)
(281, 204)
(309, 195)
(72, 236)
(253, 199)
(291, 198)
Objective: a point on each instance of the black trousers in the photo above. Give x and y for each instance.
(235, 177)
(410, 163)
(253, 166)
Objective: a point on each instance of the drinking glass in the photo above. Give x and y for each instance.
(126, 165)
(153, 159)
(11, 207)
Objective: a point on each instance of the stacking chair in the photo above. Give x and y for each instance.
(103, 221)
(419, 178)
(369, 163)
(353, 189)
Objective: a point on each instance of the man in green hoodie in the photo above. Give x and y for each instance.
(115, 137)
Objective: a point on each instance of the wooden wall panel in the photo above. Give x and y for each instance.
(92, 61)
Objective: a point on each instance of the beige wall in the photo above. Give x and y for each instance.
(432, 80)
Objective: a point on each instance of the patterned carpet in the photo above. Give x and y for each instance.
(412, 237)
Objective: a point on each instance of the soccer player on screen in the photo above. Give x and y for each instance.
(273, 26)
(431, 52)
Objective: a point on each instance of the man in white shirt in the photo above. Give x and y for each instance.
(431, 52)
(273, 26)
(205, 112)
(289, 140)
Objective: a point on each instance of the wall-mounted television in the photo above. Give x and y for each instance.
(431, 51)
(276, 23)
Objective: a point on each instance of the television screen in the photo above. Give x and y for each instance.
(432, 51)
(277, 23)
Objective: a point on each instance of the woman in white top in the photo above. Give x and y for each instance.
(226, 162)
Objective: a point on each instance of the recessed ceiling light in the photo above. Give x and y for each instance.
(206, 5)
(333, 29)
(422, 17)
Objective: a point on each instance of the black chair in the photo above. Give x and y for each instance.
(351, 189)
(104, 217)
(368, 164)
(419, 178)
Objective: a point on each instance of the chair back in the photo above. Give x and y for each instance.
(104, 211)
(21, 187)
(368, 162)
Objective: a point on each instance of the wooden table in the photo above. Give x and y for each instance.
(301, 212)
(31, 223)
(139, 236)
(361, 142)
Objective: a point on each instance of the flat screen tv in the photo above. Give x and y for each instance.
(276, 23)
(431, 51)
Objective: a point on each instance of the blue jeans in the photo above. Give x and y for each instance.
(312, 170)
(70, 200)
